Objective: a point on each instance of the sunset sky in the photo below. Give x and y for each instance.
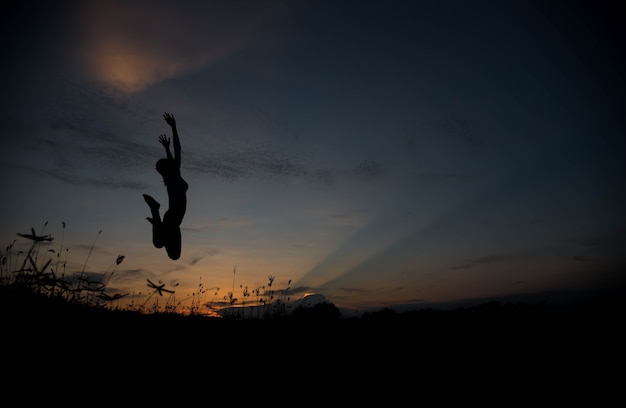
(375, 152)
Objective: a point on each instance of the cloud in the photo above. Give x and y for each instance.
(260, 162)
(78, 179)
(437, 177)
(368, 170)
(481, 261)
(133, 45)
(81, 156)
(245, 163)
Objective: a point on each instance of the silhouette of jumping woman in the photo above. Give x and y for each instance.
(166, 231)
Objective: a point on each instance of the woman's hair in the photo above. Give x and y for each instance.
(164, 166)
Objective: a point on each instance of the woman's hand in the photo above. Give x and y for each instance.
(169, 118)
(164, 141)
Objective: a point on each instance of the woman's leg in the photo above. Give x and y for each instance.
(158, 239)
(171, 236)
(173, 243)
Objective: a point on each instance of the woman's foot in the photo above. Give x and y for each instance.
(152, 203)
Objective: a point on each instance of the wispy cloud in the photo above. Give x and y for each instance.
(136, 44)
(246, 163)
(481, 261)
(78, 179)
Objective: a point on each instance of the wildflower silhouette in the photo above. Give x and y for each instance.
(158, 288)
(36, 238)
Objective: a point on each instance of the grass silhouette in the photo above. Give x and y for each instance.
(33, 273)
(36, 287)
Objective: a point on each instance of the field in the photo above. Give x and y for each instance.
(49, 318)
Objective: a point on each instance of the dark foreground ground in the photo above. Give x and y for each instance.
(497, 353)
(29, 316)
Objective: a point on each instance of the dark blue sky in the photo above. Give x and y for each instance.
(377, 153)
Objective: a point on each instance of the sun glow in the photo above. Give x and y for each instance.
(132, 47)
